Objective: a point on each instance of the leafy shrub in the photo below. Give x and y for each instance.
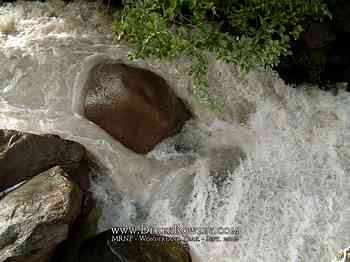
(249, 33)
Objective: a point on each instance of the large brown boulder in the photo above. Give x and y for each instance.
(36, 217)
(134, 105)
(24, 155)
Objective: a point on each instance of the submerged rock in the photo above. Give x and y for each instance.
(36, 217)
(24, 155)
(134, 105)
(108, 247)
(223, 162)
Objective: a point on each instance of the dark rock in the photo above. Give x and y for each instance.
(342, 15)
(292, 73)
(84, 227)
(113, 3)
(322, 56)
(108, 247)
(36, 217)
(339, 56)
(318, 35)
(134, 105)
(24, 155)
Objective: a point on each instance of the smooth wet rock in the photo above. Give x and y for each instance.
(134, 105)
(24, 155)
(36, 217)
(107, 247)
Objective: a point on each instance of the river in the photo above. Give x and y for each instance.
(275, 163)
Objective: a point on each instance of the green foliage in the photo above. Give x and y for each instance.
(269, 26)
(249, 33)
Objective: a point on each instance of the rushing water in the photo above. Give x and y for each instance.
(275, 164)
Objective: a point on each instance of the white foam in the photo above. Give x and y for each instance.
(289, 194)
